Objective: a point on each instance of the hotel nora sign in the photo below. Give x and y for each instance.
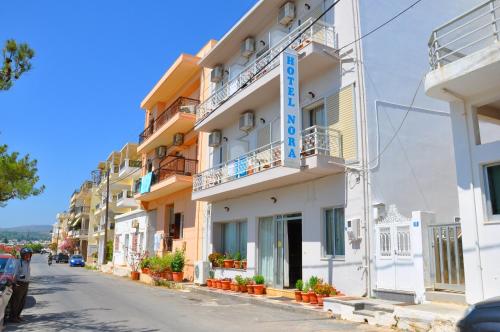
(290, 110)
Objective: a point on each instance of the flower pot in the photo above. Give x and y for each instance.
(258, 289)
(226, 284)
(320, 299)
(178, 276)
(305, 297)
(145, 270)
(298, 296)
(312, 298)
(243, 288)
(134, 275)
(209, 282)
(244, 265)
(218, 284)
(237, 264)
(234, 287)
(228, 263)
(163, 274)
(250, 289)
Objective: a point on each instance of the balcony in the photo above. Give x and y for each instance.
(172, 175)
(259, 81)
(126, 199)
(128, 167)
(82, 233)
(179, 117)
(464, 54)
(262, 169)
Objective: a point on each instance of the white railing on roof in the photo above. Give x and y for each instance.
(466, 34)
(319, 32)
(315, 140)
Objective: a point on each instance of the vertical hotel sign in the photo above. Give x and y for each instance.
(290, 111)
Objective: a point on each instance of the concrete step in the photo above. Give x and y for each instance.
(364, 312)
(395, 295)
(445, 296)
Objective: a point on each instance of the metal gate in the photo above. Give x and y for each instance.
(447, 260)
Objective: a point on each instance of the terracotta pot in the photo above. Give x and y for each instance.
(169, 276)
(243, 288)
(228, 263)
(234, 287)
(237, 264)
(312, 298)
(226, 284)
(298, 296)
(178, 276)
(244, 265)
(134, 275)
(320, 299)
(218, 284)
(258, 289)
(250, 289)
(145, 270)
(163, 274)
(305, 297)
(209, 282)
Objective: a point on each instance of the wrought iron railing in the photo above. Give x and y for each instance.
(315, 140)
(174, 165)
(320, 32)
(466, 34)
(182, 104)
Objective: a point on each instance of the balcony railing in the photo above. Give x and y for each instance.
(466, 34)
(319, 32)
(315, 140)
(83, 232)
(172, 166)
(123, 194)
(130, 163)
(182, 104)
(82, 209)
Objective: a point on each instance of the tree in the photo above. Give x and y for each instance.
(18, 177)
(16, 61)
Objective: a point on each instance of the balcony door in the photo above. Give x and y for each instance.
(313, 115)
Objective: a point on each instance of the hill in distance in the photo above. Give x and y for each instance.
(28, 233)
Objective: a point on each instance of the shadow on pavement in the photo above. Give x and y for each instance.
(30, 302)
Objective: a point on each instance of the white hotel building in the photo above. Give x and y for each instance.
(347, 210)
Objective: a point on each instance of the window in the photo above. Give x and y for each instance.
(334, 232)
(234, 238)
(178, 226)
(493, 189)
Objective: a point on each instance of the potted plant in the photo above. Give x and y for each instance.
(228, 261)
(313, 281)
(144, 264)
(166, 266)
(237, 260)
(134, 261)
(210, 278)
(226, 284)
(218, 284)
(244, 264)
(299, 285)
(249, 283)
(177, 265)
(258, 288)
(305, 292)
(323, 290)
(214, 259)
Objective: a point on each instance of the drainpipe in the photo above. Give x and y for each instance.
(459, 98)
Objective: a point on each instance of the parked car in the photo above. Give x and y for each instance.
(482, 317)
(76, 260)
(62, 258)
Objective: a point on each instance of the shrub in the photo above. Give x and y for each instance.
(323, 289)
(313, 281)
(145, 263)
(306, 287)
(239, 280)
(155, 264)
(259, 280)
(178, 261)
(214, 258)
(299, 284)
(237, 256)
(248, 281)
(166, 262)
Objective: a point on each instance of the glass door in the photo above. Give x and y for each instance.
(267, 249)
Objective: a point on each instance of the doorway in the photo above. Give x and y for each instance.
(280, 249)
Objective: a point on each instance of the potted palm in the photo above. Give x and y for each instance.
(299, 285)
(259, 287)
(313, 281)
(228, 261)
(237, 260)
(177, 265)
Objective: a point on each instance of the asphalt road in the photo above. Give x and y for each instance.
(74, 299)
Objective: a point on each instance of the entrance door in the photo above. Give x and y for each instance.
(280, 250)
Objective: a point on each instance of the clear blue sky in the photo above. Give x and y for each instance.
(95, 61)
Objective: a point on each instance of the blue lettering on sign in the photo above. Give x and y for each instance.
(291, 97)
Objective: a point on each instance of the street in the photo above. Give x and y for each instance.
(74, 299)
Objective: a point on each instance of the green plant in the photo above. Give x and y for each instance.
(166, 262)
(259, 279)
(323, 289)
(237, 256)
(211, 274)
(313, 281)
(299, 284)
(178, 261)
(228, 256)
(239, 280)
(220, 261)
(306, 287)
(145, 263)
(155, 264)
(16, 61)
(214, 257)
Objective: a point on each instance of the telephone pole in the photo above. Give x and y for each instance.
(106, 218)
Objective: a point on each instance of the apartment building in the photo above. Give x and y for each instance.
(308, 173)
(170, 148)
(465, 69)
(79, 213)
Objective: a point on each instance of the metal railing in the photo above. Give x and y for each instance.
(172, 166)
(130, 163)
(123, 194)
(466, 34)
(182, 104)
(83, 232)
(315, 140)
(320, 32)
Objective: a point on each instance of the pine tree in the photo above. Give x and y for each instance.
(16, 61)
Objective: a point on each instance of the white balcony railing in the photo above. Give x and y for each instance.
(466, 34)
(315, 140)
(320, 32)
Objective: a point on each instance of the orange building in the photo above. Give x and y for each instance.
(170, 150)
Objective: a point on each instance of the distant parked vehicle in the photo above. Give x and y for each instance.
(76, 260)
(62, 258)
(482, 317)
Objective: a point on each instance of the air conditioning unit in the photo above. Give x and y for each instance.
(354, 229)
(248, 47)
(246, 121)
(287, 13)
(217, 74)
(201, 271)
(161, 151)
(178, 139)
(215, 138)
(188, 109)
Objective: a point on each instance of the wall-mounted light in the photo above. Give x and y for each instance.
(308, 6)
(225, 139)
(263, 43)
(310, 93)
(262, 120)
(274, 199)
(226, 72)
(226, 208)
